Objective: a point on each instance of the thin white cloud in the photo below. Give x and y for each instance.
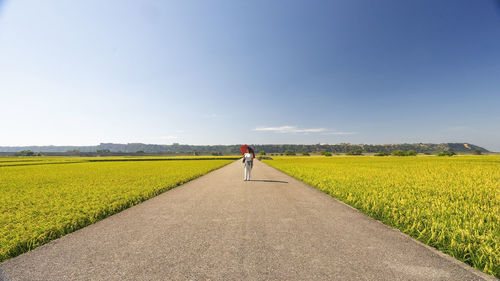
(294, 129)
(168, 137)
(289, 129)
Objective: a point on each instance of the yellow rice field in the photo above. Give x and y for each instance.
(44, 198)
(450, 203)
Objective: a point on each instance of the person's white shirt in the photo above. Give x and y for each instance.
(248, 156)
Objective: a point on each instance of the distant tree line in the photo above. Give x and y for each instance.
(28, 153)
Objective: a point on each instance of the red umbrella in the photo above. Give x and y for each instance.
(243, 149)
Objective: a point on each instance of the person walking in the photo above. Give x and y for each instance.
(248, 162)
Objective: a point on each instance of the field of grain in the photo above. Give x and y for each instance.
(450, 203)
(43, 198)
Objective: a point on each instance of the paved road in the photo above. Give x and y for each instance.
(219, 227)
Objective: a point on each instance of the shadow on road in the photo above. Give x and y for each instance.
(270, 181)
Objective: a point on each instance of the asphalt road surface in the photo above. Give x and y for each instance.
(219, 227)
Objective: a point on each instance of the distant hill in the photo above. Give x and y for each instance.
(175, 148)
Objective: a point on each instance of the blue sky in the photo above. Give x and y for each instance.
(228, 72)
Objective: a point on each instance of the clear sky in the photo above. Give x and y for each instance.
(228, 72)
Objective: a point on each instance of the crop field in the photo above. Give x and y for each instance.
(43, 198)
(450, 203)
(24, 161)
